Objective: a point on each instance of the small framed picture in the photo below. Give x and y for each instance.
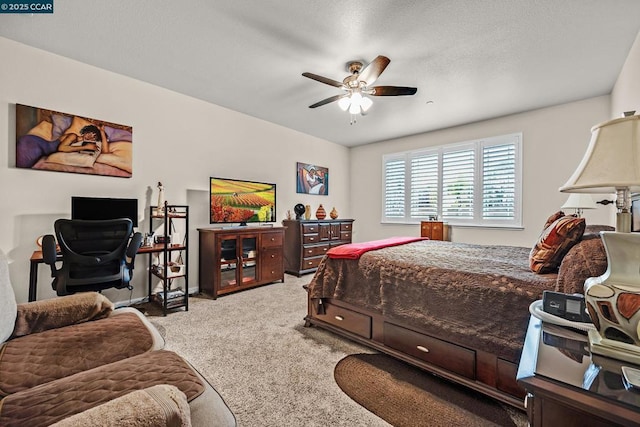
(312, 179)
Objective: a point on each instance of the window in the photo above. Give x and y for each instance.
(471, 183)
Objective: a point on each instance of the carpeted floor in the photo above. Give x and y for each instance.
(253, 348)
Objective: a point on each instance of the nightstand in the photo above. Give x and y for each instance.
(434, 230)
(567, 386)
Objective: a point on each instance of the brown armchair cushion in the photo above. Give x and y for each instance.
(38, 316)
(156, 406)
(57, 400)
(35, 359)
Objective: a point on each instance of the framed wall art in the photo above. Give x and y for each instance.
(312, 179)
(62, 142)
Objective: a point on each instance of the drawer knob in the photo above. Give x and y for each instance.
(273, 256)
(339, 318)
(422, 349)
(273, 239)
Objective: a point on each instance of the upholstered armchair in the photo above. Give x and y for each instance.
(45, 340)
(76, 361)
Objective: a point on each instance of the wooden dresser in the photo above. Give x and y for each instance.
(306, 242)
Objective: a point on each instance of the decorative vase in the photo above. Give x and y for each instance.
(334, 213)
(307, 212)
(613, 299)
(320, 213)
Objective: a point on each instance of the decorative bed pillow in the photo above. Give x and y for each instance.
(587, 258)
(554, 243)
(553, 218)
(593, 231)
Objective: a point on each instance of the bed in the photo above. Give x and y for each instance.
(457, 310)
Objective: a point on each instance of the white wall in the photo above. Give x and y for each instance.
(554, 141)
(178, 140)
(626, 92)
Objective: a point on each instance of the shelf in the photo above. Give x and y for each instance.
(161, 252)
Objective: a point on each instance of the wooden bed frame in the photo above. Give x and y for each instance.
(476, 369)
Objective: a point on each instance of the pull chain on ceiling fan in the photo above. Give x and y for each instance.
(357, 87)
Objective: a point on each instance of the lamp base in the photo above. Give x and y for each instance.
(613, 349)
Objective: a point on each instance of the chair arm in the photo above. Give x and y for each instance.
(38, 316)
(160, 405)
(132, 249)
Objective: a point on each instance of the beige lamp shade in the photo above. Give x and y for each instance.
(579, 201)
(612, 160)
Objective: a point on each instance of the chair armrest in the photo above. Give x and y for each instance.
(132, 249)
(38, 316)
(160, 405)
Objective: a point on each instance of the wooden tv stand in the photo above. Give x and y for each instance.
(237, 258)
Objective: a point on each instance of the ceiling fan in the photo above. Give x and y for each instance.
(357, 87)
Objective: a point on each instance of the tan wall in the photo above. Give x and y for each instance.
(554, 141)
(178, 140)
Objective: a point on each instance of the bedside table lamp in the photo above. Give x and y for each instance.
(612, 164)
(579, 202)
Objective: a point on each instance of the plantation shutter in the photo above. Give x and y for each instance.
(458, 173)
(424, 186)
(498, 182)
(394, 188)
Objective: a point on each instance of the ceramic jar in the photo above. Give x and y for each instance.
(320, 213)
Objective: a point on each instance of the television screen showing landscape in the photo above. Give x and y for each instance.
(237, 201)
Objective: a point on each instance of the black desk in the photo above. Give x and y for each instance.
(36, 259)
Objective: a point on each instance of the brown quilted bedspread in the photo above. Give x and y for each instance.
(475, 295)
(39, 358)
(51, 402)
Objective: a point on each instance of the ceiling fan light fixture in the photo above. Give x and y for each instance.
(344, 103)
(366, 103)
(356, 100)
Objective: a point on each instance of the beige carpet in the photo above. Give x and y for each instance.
(253, 348)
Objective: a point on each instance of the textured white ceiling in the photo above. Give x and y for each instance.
(474, 59)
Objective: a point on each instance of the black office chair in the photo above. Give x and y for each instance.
(96, 255)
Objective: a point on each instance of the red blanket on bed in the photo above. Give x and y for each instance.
(355, 250)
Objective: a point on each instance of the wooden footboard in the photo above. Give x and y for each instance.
(476, 369)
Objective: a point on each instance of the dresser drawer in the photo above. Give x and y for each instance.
(345, 235)
(357, 323)
(346, 226)
(272, 267)
(270, 240)
(308, 263)
(309, 228)
(310, 238)
(432, 350)
(313, 251)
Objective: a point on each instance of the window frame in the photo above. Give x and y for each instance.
(478, 146)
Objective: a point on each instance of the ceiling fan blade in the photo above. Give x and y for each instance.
(393, 90)
(328, 100)
(324, 80)
(371, 72)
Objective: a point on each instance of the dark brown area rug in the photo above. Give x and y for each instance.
(404, 395)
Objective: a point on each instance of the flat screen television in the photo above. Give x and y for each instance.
(238, 201)
(97, 208)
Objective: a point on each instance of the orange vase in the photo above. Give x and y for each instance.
(320, 213)
(334, 213)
